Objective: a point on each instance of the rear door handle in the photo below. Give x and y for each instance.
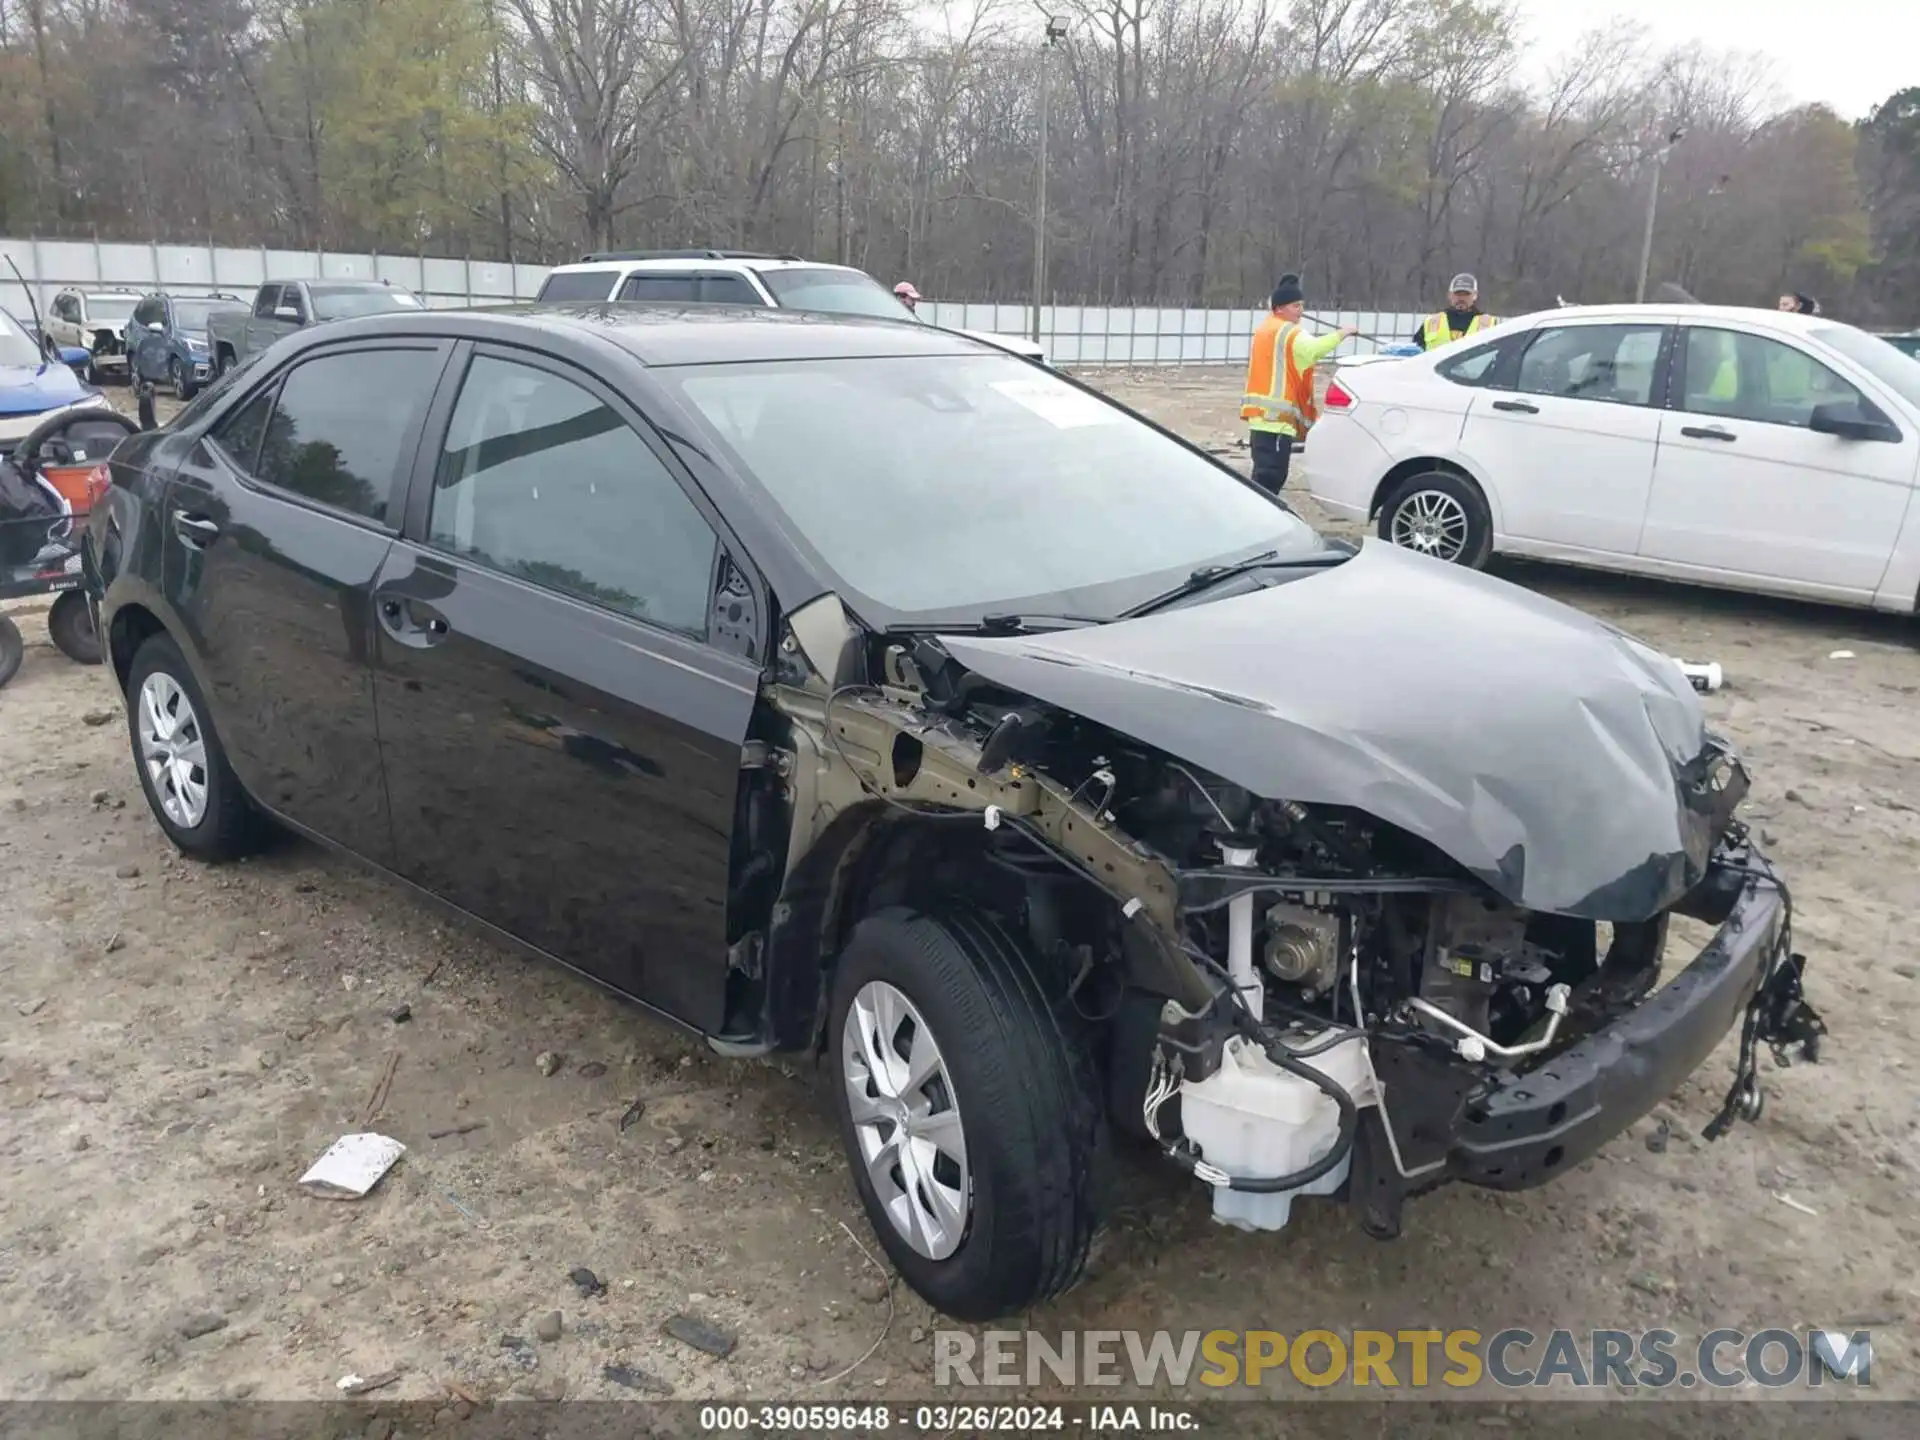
(196, 532)
(1705, 432)
(1518, 407)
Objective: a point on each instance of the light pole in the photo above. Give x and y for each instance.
(1653, 203)
(1056, 31)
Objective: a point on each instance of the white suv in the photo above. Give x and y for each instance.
(740, 277)
(95, 320)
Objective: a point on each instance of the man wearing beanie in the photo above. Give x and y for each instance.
(1279, 405)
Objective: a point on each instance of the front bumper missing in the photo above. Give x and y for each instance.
(1440, 1121)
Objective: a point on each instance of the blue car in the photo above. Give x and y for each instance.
(33, 386)
(167, 339)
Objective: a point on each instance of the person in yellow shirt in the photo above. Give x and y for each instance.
(1279, 405)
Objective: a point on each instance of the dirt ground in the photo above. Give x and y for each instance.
(178, 1043)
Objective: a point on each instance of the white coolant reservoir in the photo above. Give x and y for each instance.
(1252, 1118)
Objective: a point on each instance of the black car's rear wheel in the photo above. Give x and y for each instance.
(189, 785)
(967, 1111)
(70, 623)
(13, 648)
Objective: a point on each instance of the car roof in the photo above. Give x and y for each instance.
(659, 334)
(1751, 314)
(672, 264)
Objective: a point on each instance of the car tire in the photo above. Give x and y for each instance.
(92, 373)
(223, 825)
(13, 649)
(1005, 1220)
(177, 379)
(1441, 514)
(70, 623)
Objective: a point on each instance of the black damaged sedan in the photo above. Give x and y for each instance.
(849, 687)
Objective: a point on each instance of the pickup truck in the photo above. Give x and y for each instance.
(281, 307)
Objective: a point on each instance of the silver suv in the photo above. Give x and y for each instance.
(744, 277)
(95, 320)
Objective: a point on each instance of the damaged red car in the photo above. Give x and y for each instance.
(847, 687)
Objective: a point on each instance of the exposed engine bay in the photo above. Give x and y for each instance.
(1288, 996)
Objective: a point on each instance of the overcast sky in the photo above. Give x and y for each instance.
(1850, 54)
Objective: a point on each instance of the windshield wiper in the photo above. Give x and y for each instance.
(1000, 623)
(1207, 576)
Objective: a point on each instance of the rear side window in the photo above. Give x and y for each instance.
(673, 289)
(339, 430)
(579, 285)
(538, 479)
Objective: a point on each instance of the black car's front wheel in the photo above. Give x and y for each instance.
(1441, 514)
(70, 623)
(967, 1112)
(189, 785)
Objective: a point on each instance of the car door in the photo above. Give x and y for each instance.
(260, 333)
(278, 520)
(63, 321)
(1745, 489)
(562, 740)
(1567, 438)
(147, 350)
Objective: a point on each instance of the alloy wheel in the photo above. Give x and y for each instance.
(174, 749)
(1432, 522)
(907, 1120)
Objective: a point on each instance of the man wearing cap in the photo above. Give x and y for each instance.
(1279, 405)
(1461, 318)
(907, 295)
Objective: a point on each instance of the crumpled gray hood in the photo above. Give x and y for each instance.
(1532, 744)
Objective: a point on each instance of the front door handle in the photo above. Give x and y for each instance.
(1705, 432)
(412, 622)
(1518, 407)
(196, 532)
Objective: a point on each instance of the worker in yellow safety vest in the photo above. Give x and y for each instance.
(1461, 318)
(1279, 406)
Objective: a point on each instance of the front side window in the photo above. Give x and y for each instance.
(938, 489)
(540, 480)
(1751, 377)
(1593, 362)
(240, 433)
(339, 430)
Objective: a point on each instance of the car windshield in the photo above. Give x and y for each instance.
(1899, 373)
(192, 314)
(343, 302)
(16, 346)
(939, 489)
(110, 309)
(834, 292)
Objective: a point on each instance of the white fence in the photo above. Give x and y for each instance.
(1084, 335)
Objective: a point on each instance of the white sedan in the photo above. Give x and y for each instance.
(1748, 449)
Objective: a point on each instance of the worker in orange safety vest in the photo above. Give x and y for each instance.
(1279, 405)
(1461, 318)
